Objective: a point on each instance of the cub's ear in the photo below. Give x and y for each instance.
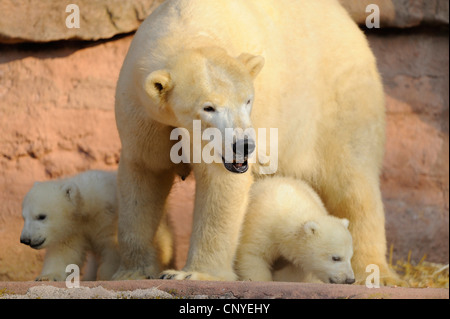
(158, 84)
(71, 193)
(311, 228)
(345, 222)
(253, 63)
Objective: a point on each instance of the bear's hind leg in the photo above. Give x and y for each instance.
(360, 202)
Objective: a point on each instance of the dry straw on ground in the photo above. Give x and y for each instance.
(423, 274)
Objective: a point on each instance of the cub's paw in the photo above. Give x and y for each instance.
(135, 274)
(387, 277)
(187, 275)
(393, 280)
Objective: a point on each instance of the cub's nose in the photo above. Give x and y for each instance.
(244, 147)
(25, 241)
(350, 281)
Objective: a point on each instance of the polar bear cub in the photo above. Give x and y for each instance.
(70, 217)
(286, 220)
(73, 216)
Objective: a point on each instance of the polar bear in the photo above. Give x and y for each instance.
(74, 216)
(286, 220)
(262, 64)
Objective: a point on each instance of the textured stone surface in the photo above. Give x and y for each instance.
(357, 10)
(57, 119)
(98, 292)
(219, 290)
(415, 179)
(45, 20)
(401, 13)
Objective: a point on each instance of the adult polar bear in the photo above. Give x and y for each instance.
(319, 86)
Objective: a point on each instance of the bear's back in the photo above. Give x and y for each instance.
(98, 189)
(280, 30)
(284, 197)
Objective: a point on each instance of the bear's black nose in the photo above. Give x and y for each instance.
(244, 147)
(349, 281)
(25, 241)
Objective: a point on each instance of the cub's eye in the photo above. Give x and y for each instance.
(249, 101)
(336, 258)
(209, 108)
(41, 217)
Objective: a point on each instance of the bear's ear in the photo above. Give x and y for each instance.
(71, 193)
(158, 84)
(311, 228)
(253, 63)
(345, 222)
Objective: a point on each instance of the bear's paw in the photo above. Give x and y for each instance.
(188, 275)
(51, 277)
(134, 274)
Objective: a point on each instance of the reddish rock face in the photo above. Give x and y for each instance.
(45, 20)
(415, 178)
(57, 119)
(401, 13)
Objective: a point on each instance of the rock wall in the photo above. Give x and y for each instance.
(415, 178)
(57, 115)
(45, 20)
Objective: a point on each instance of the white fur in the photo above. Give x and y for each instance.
(311, 75)
(286, 220)
(80, 217)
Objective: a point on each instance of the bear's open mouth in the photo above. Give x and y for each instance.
(37, 245)
(235, 167)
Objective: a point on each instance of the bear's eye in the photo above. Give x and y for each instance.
(336, 258)
(41, 217)
(209, 108)
(249, 101)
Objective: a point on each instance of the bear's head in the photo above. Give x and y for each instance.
(215, 90)
(47, 210)
(325, 249)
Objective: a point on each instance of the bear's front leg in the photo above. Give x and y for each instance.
(142, 193)
(58, 258)
(109, 260)
(253, 267)
(220, 204)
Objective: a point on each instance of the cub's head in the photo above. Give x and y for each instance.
(327, 250)
(47, 210)
(210, 87)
